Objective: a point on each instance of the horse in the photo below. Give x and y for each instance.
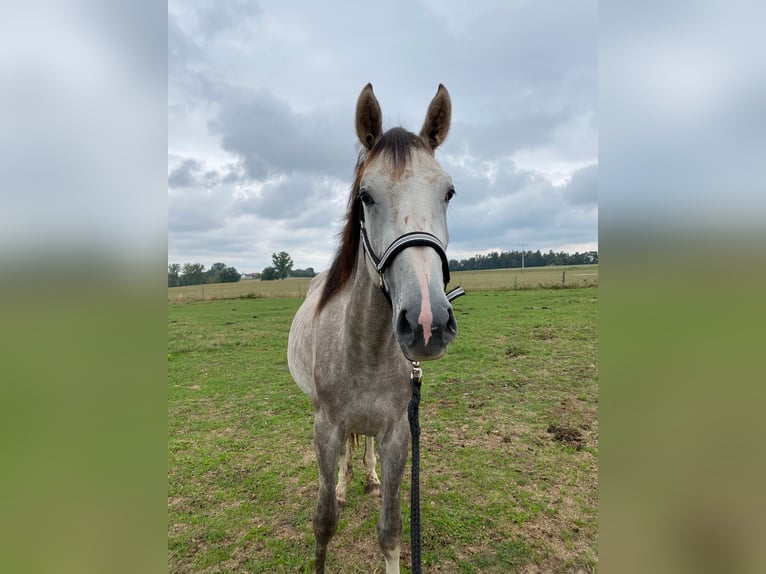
(365, 321)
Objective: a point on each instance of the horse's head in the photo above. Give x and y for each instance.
(403, 192)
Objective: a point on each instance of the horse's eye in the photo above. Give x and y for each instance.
(366, 197)
(450, 194)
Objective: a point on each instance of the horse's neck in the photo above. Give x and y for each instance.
(367, 311)
(362, 329)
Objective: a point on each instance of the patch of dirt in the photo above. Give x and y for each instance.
(544, 333)
(570, 436)
(178, 528)
(573, 554)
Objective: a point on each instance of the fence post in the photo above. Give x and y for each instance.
(563, 278)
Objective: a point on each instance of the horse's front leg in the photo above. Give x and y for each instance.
(328, 441)
(392, 447)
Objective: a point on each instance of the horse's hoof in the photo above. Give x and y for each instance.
(341, 502)
(372, 488)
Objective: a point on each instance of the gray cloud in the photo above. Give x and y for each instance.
(192, 173)
(185, 175)
(300, 198)
(271, 138)
(182, 50)
(583, 187)
(216, 18)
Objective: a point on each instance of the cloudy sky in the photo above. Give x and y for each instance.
(261, 143)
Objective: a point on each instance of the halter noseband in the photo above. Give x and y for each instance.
(412, 239)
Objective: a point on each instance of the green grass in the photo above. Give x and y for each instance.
(498, 492)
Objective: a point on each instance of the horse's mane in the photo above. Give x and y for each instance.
(397, 145)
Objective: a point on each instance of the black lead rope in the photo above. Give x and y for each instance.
(412, 414)
(416, 378)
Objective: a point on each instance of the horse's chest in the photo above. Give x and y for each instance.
(367, 402)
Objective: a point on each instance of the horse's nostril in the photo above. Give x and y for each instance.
(451, 323)
(404, 330)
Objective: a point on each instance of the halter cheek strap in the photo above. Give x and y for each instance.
(413, 239)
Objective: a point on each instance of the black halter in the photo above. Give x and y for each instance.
(412, 239)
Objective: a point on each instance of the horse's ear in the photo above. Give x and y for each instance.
(369, 119)
(436, 125)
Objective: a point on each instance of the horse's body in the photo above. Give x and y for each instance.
(351, 343)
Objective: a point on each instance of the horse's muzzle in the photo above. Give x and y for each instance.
(419, 345)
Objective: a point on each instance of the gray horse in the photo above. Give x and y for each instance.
(366, 318)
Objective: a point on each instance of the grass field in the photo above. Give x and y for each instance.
(509, 441)
(553, 277)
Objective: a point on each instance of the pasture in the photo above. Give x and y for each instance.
(552, 277)
(509, 438)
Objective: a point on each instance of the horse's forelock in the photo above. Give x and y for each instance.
(397, 145)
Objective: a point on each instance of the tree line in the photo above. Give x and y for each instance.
(195, 274)
(510, 259)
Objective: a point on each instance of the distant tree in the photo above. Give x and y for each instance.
(283, 263)
(230, 275)
(174, 280)
(193, 274)
(269, 274)
(215, 271)
(308, 272)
